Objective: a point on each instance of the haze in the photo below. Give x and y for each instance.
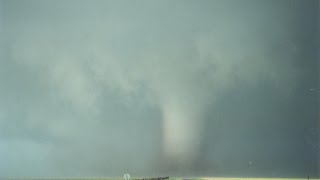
(159, 88)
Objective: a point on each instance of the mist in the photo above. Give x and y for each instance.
(156, 88)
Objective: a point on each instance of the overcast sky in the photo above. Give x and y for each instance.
(157, 88)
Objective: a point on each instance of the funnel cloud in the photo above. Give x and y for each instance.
(155, 88)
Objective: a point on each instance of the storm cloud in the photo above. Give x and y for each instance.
(150, 88)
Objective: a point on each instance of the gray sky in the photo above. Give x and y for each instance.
(150, 88)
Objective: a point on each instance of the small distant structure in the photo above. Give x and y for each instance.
(128, 177)
(156, 178)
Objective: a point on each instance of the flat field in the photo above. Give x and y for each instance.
(207, 178)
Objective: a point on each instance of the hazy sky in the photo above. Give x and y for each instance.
(159, 87)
